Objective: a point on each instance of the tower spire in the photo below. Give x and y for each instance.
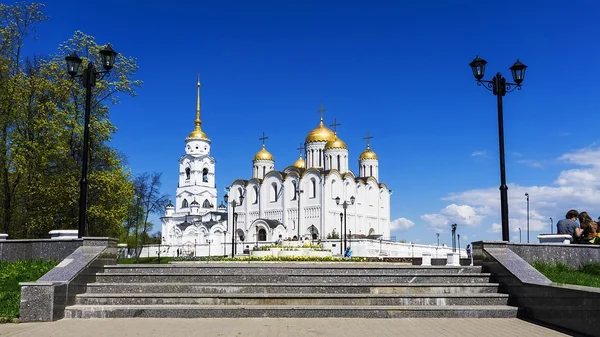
(321, 111)
(198, 121)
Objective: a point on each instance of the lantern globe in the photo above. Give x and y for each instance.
(108, 56)
(73, 64)
(478, 67)
(518, 72)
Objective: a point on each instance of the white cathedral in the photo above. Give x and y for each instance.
(309, 199)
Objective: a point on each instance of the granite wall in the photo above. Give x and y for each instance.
(45, 299)
(45, 249)
(567, 306)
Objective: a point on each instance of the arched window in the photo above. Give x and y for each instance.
(371, 166)
(274, 192)
(262, 235)
(320, 156)
(313, 189)
(206, 204)
(264, 168)
(205, 175)
(184, 203)
(339, 166)
(255, 194)
(187, 173)
(240, 193)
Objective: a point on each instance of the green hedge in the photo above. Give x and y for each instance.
(11, 273)
(586, 275)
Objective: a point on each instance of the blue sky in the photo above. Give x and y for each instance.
(398, 70)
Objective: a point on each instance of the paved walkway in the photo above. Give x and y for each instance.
(282, 327)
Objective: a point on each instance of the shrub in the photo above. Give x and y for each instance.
(11, 273)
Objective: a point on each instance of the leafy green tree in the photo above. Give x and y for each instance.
(41, 134)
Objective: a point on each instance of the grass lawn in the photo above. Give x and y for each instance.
(11, 273)
(586, 275)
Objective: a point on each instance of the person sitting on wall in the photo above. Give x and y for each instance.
(568, 225)
(247, 250)
(588, 230)
(279, 241)
(348, 252)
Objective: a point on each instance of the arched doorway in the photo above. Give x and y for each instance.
(262, 235)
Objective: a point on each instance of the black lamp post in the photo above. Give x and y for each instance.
(345, 205)
(234, 232)
(298, 193)
(500, 87)
(527, 195)
(438, 238)
(341, 236)
(454, 237)
(88, 79)
(520, 235)
(552, 224)
(458, 236)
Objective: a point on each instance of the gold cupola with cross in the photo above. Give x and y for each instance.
(198, 133)
(335, 142)
(368, 163)
(263, 161)
(321, 133)
(300, 163)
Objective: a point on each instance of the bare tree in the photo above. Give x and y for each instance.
(147, 200)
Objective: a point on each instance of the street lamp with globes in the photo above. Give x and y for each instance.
(345, 205)
(88, 80)
(499, 87)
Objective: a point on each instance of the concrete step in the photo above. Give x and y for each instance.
(234, 311)
(297, 288)
(293, 299)
(108, 277)
(288, 269)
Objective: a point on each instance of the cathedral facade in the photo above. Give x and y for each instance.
(195, 218)
(309, 198)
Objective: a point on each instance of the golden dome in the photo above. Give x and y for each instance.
(368, 154)
(320, 134)
(197, 134)
(299, 163)
(335, 143)
(263, 154)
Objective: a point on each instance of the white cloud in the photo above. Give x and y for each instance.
(577, 188)
(478, 154)
(529, 162)
(401, 224)
(460, 214)
(496, 228)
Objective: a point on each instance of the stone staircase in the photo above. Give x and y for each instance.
(378, 290)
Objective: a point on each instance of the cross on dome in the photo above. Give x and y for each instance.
(321, 111)
(263, 138)
(335, 125)
(368, 139)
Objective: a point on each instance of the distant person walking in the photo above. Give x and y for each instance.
(568, 225)
(348, 253)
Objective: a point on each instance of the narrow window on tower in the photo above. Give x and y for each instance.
(205, 175)
(371, 167)
(339, 167)
(187, 173)
(184, 203)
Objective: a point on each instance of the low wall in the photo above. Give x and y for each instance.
(567, 306)
(46, 249)
(573, 255)
(45, 299)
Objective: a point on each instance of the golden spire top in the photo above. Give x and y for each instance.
(198, 133)
(368, 139)
(198, 121)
